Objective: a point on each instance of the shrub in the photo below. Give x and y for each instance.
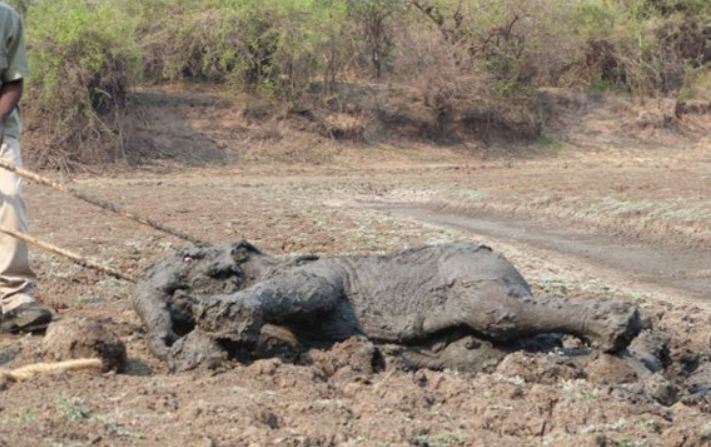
(272, 46)
(86, 53)
(373, 21)
(82, 59)
(644, 46)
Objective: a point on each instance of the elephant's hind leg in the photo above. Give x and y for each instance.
(495, 310)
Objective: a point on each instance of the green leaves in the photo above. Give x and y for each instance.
(71, 39)
(272, 46)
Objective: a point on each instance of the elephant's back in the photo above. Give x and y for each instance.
(386, 291)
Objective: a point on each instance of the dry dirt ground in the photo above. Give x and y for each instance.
(628, 223)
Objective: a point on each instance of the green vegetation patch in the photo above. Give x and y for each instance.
(85, 55)
(83, 58)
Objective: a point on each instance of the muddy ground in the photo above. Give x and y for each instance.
(631, 222)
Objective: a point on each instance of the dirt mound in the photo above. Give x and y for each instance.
(693, 107)
(355, 359)
(77, 338)
(208, 127)
(169, 124)
(452, 113)
(541, 368)
(608, 120)
(608, 369)
(162, 127)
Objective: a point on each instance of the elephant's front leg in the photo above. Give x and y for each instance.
(302, 296)
(237, 317)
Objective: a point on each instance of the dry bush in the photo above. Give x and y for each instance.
(82, 64)
(684, 46)
(200, 46)
(468, 92)
(82, 124)
(647, 47)
(373, 23)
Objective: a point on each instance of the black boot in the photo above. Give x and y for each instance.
(29, 317)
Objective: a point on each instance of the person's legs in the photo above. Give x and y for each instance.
(17, 280)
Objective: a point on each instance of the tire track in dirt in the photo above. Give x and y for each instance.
(672, 268)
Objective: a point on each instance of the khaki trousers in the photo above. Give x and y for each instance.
(17, 280)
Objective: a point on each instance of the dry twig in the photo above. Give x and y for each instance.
(28, 372)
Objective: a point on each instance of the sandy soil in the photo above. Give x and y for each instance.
(351, 200)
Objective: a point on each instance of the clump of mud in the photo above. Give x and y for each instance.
(78, 338)
(541, 368)
(355, 359)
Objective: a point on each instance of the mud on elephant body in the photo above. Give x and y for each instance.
(456, 305)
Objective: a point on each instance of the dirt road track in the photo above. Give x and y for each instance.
(670, 267)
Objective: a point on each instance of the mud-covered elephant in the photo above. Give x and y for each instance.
(443, 306)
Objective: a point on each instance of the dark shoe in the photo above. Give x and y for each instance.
(26, 318)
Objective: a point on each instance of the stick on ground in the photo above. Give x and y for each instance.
(27, 372)
(78, 259)
(103, 204)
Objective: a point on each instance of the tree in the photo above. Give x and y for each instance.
(373, 17)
